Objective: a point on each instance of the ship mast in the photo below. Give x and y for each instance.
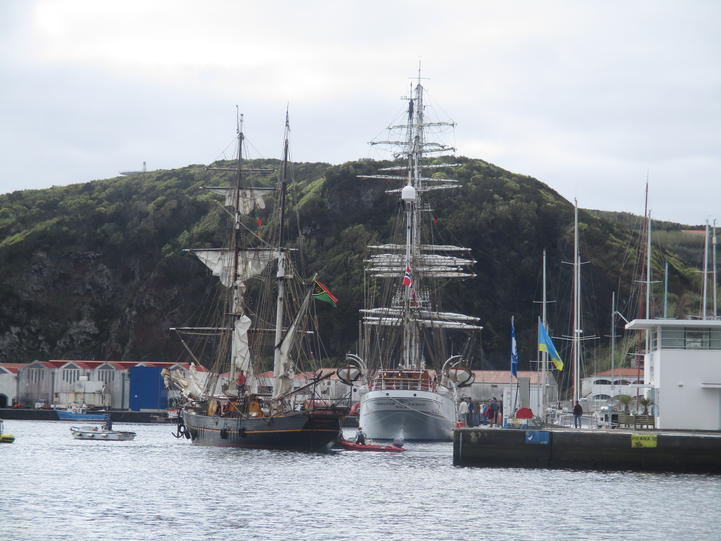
(576, 309)
(235, 264)
(237, 310)
(410, 197)
(282, 379)
(412, 310)
(544, 354)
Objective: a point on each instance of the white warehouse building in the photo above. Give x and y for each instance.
(682, 371)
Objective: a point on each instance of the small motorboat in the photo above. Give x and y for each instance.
(5, 438)
(352, 446)
(80, 413)
(100, 432)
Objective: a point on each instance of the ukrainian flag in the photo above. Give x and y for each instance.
(546, 344)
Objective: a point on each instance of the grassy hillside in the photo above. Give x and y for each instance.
(96, 270)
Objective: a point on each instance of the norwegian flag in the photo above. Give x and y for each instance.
(408, 277)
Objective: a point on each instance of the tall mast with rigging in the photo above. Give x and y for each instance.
(418, 261)
(576, 308)
(283, 381)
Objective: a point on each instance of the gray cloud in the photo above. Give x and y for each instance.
(587, 96)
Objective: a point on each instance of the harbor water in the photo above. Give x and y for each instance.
(54, 487)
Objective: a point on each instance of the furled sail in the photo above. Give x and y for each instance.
(393, 317)
(390, 265)
(240, 348)
(423, 247)
(428, 323)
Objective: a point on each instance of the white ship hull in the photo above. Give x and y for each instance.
(408, 414)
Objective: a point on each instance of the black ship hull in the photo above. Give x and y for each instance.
(313, 430)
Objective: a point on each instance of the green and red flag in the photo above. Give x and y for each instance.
(322, 293)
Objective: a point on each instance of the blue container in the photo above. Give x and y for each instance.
(147, 391)
(537, 437)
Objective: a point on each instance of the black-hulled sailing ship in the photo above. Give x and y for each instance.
(265, 313)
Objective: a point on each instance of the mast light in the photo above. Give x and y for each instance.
(408, 193)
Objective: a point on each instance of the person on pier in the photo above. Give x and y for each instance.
(463, 411)
(577, 412)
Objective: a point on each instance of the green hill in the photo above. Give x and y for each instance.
(97, 271)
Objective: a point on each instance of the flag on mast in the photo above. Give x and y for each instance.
(514, 349)
(322, 293)
(408, 277)
(546, 344)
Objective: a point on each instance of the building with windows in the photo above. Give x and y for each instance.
(59, 383)
(682, 371)
(8, 383)
(605, 385)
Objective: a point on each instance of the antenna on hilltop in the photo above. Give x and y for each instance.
(127, 173)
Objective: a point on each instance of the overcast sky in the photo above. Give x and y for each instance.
(587, 96)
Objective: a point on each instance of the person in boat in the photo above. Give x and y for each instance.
(360, 437)
(577, 412)
(108, 425)
(398, 442)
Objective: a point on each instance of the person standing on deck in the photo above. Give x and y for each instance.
(240, 383)
(577, 412)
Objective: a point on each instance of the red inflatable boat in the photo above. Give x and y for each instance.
(369, 447)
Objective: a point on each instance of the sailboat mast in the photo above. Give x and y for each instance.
(576, 308)
(705, 272)
(715, 292)
(644, 283)
(665, 290)
(648, 293)
(648, 267)
(544, 354)
(613, 344)
(279, 372)
(237, 309)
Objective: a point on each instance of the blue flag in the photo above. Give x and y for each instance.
(514, 349)
(546, 344)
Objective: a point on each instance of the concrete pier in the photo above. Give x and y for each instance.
(592, 449)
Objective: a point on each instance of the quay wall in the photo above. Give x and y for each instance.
(119, 416)
(596, 450)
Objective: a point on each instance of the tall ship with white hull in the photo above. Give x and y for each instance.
(230, 400)
(412, 378)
